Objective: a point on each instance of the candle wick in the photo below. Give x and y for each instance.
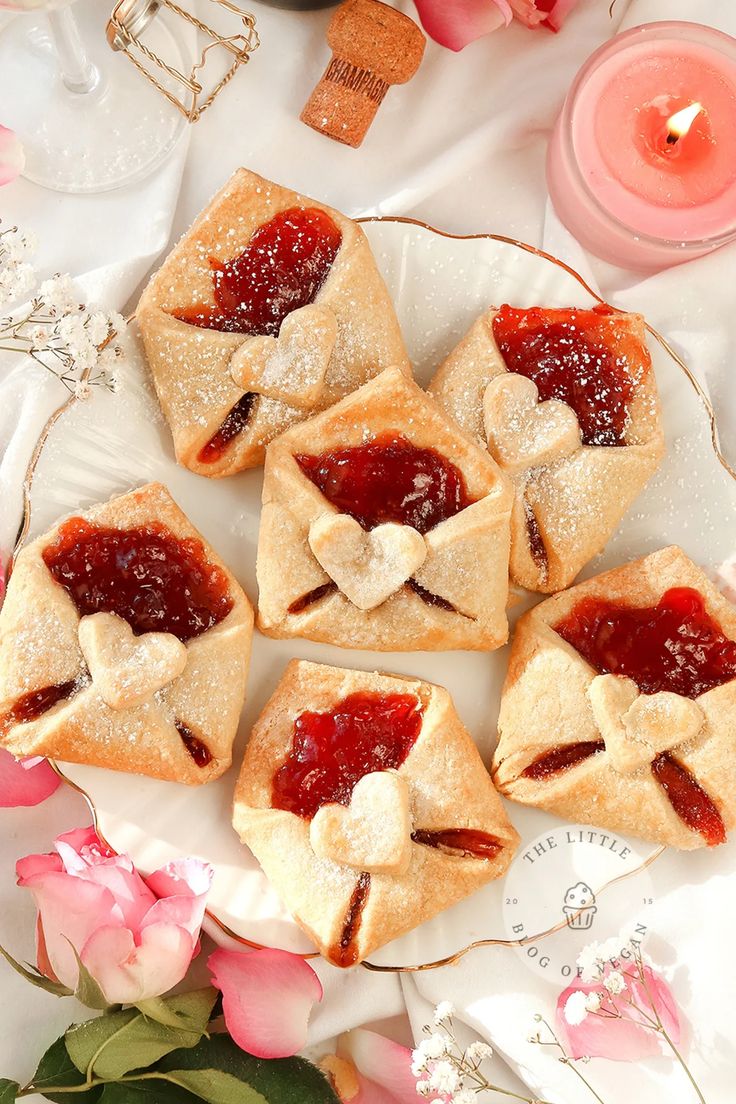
(672, 139)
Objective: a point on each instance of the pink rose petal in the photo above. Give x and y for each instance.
(538, 13)
(42, 955)
(70, 910)
(371, 1093)
(385, 1064)
(12, 157)
(127, 971)
(457, 23)
(24, 785)
(560, 12)
(528, 12)
(267, 997)
(624, 1039)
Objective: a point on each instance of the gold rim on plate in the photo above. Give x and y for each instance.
(448, 960)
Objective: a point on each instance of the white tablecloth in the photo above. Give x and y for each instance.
(461, 147)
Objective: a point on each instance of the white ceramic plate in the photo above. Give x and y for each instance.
(112, 442)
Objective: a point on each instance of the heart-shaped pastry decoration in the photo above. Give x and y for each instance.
(638, 727)
(292, 366)
(367, 567)
(523, 432)
(373, 832)
(126, 669)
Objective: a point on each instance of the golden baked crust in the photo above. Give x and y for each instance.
(574, 501)
(40, 631)
(552, 698)
(191, 366)
(448, 787)
(466, 561)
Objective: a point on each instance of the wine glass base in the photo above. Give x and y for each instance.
(115, 134)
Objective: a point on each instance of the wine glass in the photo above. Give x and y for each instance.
(88, 120)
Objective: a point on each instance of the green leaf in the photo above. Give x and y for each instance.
(279, 1081)
(189, 1010)
(8, 1091)
(216, 1087)
(57, 1070)
(145, 1092)
(31, 974)
(114, 1044)
(88, 991)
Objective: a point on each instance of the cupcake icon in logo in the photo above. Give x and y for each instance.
(580, 907)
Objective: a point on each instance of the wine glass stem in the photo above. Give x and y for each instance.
(78, 74)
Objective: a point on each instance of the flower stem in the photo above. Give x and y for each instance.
(664, 1032)
(29, 1090)
(570, 1063)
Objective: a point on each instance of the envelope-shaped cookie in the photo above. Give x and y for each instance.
(124, 643)
(384, 527)
(566, 403)
(368, 806)
(620, 703)
(270, 308)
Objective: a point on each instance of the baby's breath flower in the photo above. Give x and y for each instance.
(589, 962)
(16, 281)
(436, 1046)
(575, 1009)
(478, 1051)
(98, 327)
(443, 1011)
(444, 1078)
(592, 1002)
(615, 982)
(611, 949)
(58, 295)
(465, 1096)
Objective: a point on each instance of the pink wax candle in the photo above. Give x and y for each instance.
(641, 167)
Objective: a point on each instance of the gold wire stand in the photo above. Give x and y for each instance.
(126, 31)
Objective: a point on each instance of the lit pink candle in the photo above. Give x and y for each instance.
(642, 163)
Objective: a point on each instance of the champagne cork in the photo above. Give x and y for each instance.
(373, 46)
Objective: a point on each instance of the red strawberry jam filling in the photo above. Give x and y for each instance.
(562, 758)
(582, 357)
(689, 800)
(675, 645)
(389, 479)
(345, 952)
(332, 751)
(460, 841)
(198, 750)
(32, 705)
(234, 424)
(282, 268)
(153, 580)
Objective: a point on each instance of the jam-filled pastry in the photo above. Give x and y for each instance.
(566, 403)
(368, 806)
(124, 643)
(271, 307)
(620, 703)
(384, 527)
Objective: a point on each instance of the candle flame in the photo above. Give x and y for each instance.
(679, 124)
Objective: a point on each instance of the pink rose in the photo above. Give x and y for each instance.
(136, 938)
(12, 157)
(457, 23)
